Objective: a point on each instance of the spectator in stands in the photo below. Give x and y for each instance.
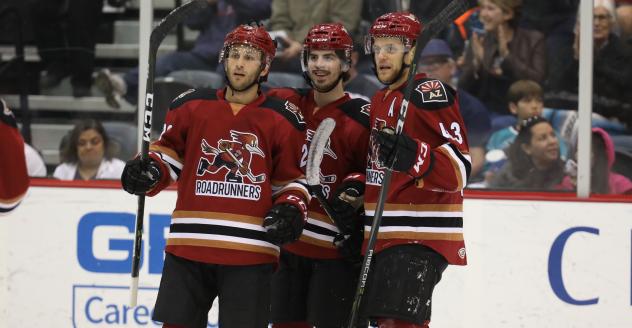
(501, 55)
(525, 100)
(556, 20)
(214, 22)
(65, 34)
(602, 179)
(612, 70)
(87, 154)
(436, 60)
(533, 160)
(295, 18)
(360, 85)
(624, 18)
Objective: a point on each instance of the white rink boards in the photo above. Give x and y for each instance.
(65, 254)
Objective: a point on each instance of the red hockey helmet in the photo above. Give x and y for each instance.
(328, 36)
(399, 24)
(331, 36)
(255, 36)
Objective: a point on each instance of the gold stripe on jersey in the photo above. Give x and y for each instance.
(320, 217)
(417, 207)
(457, 165)
(218, 216)
(415, 235)
(329, 243)
(274, 251)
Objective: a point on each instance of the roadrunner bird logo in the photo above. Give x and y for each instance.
(234, 155)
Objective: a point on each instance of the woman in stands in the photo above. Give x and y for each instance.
(87, 154)
(602, 179)
(501, 54)
(533, 160)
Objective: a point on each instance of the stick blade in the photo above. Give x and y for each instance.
(317, 150)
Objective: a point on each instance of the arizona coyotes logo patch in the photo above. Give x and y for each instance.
(232, 155)
(432, 91)
(290, 107)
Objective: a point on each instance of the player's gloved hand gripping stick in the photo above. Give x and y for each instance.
(452, 11)
(157, 35)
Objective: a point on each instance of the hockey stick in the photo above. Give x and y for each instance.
(313, 174)
(452, 11)
(157, 35)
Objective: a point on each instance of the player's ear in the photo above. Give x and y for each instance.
(265, 71)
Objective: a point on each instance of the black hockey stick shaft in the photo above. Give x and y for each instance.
(452, 11)
(157, 35)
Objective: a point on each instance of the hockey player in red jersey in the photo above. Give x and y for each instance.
(422, 223)
(14, 179)
(235, 154)
(315, 282)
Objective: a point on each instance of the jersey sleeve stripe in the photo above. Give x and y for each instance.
(419, 234)
(169, 152)
(418, 207)
(460, 164)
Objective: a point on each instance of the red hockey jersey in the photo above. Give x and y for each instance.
(230, 168)
(428, 210)
(14, 179)
(344, 159)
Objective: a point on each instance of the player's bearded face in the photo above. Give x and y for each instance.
(389, 55)
(243, 66)
(324, 68)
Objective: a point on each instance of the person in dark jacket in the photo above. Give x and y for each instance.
(533, 160)
(503, 54)
(611, 69)
(214, 22)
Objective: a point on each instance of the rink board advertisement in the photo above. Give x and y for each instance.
(65, 255)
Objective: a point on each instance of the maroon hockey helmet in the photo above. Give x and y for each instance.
(255, 36)
(399, 24)
(330, 36)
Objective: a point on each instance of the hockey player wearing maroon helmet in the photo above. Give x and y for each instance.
(316, 279)
(235, 154)
(14, 179)
(422, 225)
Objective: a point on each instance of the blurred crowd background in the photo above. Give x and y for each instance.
(514, 64)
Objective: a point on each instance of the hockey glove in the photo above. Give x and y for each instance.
(140, 176)
(346, 201)
(283, 223)
(402, 153)
(350, 244)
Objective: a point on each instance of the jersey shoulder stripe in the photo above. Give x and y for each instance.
(193, 94)
(287, 109)
(432, 94)
(358, 110)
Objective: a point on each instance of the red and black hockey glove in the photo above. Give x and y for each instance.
(402, 153)
(346, 202)
(284, 224)
(140, 176)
